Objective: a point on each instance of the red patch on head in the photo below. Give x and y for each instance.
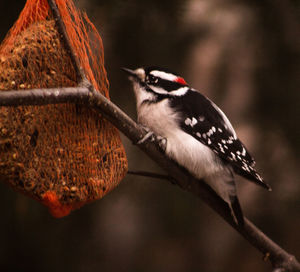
(180, 80)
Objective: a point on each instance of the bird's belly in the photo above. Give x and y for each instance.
(201, 162)
(193, 155)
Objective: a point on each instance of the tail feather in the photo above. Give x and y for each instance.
(224, 185)
(253, 177)
(236, 211)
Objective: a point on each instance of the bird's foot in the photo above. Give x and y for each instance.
(149, 135)
(162, 142)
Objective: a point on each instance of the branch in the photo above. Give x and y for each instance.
(89, 97)
(66, 41)
(43, 96)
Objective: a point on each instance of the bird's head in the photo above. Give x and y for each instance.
(153, 83)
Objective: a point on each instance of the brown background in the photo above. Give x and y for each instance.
(242, 54)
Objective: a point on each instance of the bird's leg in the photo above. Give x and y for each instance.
(149, 135)
(162, 142)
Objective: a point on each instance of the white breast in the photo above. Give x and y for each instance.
(182, 147)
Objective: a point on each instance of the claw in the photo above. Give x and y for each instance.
(148, 135)
(162, 142)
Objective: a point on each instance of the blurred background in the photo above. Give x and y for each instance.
(244, 55)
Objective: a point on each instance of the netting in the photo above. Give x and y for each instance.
(61, 155)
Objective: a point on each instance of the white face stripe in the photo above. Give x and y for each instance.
(159, 90)
(179, 92)
(163, 75)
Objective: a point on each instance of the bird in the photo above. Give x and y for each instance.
(197, 134)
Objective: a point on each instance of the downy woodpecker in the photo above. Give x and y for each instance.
(198, 134)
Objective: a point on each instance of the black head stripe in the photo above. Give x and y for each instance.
(148, 70)
(166, 84)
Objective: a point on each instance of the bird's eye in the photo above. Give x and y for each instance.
(151, 79)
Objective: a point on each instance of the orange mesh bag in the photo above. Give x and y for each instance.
(61, 155)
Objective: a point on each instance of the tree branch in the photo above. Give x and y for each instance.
(89, 97)
(66, 41)
(43, 96)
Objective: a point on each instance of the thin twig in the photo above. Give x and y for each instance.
(152, 175)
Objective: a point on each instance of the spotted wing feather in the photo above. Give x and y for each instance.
(202, 119)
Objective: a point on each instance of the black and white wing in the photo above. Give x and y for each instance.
(202, 119)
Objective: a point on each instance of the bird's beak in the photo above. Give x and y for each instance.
(132, 73)
(129, 71)
(136, 75)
